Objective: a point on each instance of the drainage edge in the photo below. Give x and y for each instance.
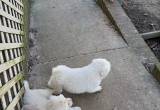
(128, 31)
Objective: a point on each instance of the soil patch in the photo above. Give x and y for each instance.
(143, 20)
(154, 44)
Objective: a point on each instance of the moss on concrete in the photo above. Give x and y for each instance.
(26, 31)
(156, 72)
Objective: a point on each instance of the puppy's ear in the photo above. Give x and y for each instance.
(69, 101)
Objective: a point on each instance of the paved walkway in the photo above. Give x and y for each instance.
(73, 32)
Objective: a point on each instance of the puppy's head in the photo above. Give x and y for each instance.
(50, 82)
(103, 66)
(56, 77)
(59, 103)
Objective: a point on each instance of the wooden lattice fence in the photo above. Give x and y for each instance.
(12, 53)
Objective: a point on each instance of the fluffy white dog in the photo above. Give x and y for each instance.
(61, 103)
(42, 99)
(79, 80)
(36, 98)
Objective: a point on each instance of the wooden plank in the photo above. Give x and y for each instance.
(14, 68)
(16, 99)
(4, 105)
(9, 16)
(6, 75)
(12, 6)
(10, 30)
(20, 3)
(1, 57)
(0, 4)
(9, 84)
(10, 45)
(151, 35)
(4, 46)
(10, 63)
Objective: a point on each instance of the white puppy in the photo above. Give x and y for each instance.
(79, 80)
(42, 99)
(36, 98)
(61, 103)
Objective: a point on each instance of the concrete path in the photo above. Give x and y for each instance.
(73, 32)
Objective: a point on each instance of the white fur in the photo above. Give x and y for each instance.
(36, 98)
(61, 103)
(79, 80)
(42, 99)
(30, 107)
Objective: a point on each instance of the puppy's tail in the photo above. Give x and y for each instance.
(26, 85)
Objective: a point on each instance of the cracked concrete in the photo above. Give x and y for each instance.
(73, 32)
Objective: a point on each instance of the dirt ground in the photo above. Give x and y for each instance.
(154, 44)
(145, 15)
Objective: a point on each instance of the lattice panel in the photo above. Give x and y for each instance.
(11, 54)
